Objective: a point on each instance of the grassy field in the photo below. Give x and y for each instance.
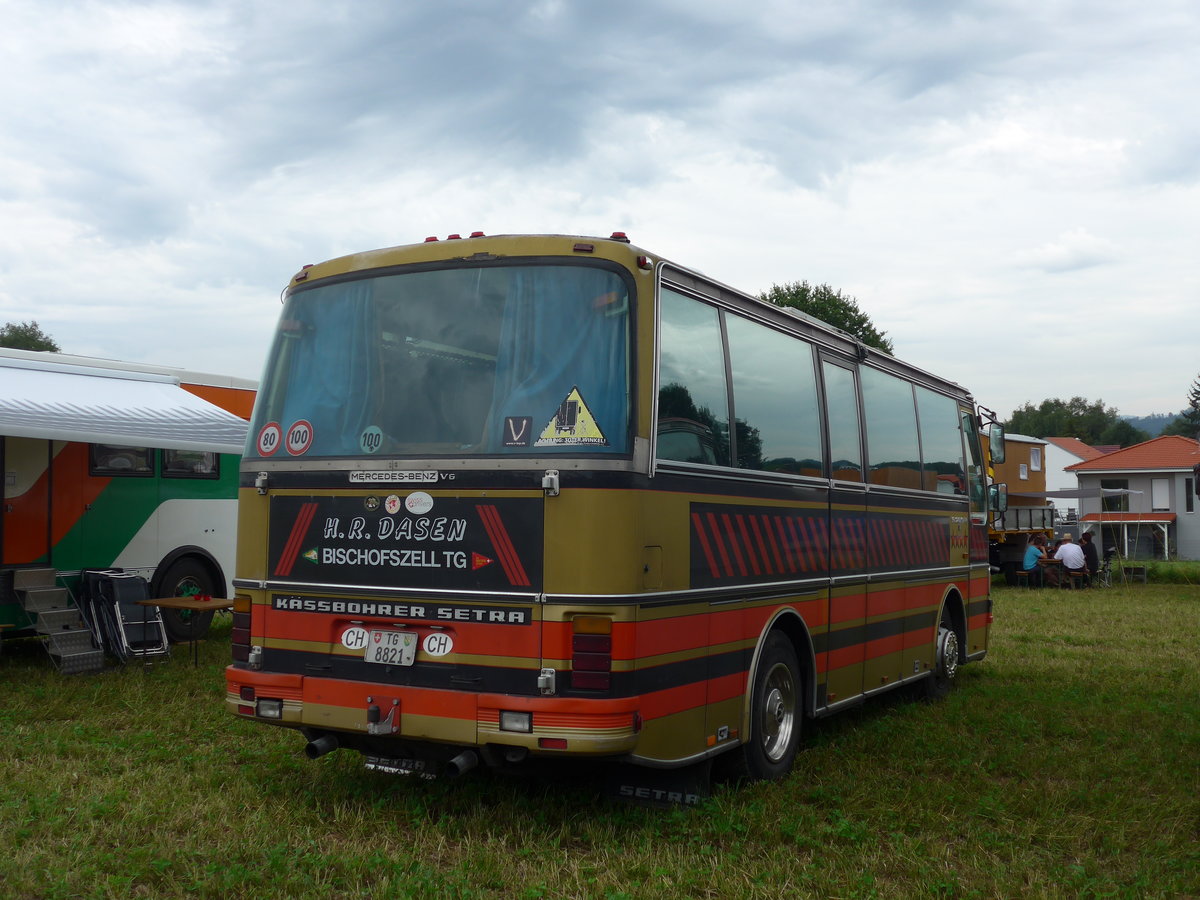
(1067, 764)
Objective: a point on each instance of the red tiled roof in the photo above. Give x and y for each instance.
(1113, 518)
(1170, 451)
(1074, 446)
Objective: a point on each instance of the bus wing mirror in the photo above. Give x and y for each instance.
(998, 498)
(996, 442)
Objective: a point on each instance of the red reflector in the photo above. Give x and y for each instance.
(591, 662)
(591, 643)
(245, 710)
(991, 618)
(240, 636)
(246, 692)
(591, 681)
(552, 743)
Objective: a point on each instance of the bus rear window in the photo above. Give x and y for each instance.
(495, 360)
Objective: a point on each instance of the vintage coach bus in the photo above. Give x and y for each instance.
(508, 497)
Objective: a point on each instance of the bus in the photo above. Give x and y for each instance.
(509, 498)
(118, 465)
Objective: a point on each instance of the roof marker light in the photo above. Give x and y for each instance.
(476, 234)
(619, 236)
(454, 237)
(432, 239)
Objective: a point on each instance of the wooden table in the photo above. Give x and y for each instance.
(195, 604)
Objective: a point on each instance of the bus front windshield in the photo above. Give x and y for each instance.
(527, 360)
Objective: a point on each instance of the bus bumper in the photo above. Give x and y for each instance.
(378, 712)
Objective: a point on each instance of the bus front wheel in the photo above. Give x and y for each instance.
(776, 714)
(185, 578)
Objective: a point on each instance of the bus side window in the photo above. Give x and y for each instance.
(693, 408)
(841, 402)
(941, 445)
(190, 464)
(114, 459)
(774, 400)
(891, 417)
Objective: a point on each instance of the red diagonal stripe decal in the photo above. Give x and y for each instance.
(295, 540)
(780, 524)
(750, 554)
(716, 535)
(698, 524)
(498, 534)
(733, 543)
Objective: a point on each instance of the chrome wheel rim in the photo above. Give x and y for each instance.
(778, 712)
(948, 653)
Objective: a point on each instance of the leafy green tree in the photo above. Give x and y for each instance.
(830, 306)
(26, 336)
(1187, 423)
(1092, 423)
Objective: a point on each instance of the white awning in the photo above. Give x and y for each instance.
(111, 406)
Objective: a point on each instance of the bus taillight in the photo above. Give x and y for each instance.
(591, 653)
(239, 636)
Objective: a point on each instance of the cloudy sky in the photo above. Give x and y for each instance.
(1009, 188)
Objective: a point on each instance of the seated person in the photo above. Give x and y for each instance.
(1035, 552)
(1090, 554)
(1072, 557)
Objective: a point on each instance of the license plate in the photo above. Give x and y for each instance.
(392, 648)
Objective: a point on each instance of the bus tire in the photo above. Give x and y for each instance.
(949, 658)
(776, 714)
(183, 578)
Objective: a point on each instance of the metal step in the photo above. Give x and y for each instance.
(53, 620)
(24, 579)
(79, 662)
(77, 640)
(45, 598)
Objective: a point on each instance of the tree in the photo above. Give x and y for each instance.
(830, 306)
(1187, 423)
(1092, 423)
(26, 336)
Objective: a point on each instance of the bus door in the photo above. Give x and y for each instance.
(845, 638)
(115, 500)
(26, 509)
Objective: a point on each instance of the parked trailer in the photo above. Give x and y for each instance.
(118, 465)
(1023, 469)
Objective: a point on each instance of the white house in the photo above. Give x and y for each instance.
(1062, 452)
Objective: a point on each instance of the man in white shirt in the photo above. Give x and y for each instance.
(1071, 555)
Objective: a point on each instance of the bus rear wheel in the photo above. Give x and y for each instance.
(776, 714)
(938, 684)
(186, 578)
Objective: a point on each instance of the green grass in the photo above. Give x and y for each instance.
(1067, 764)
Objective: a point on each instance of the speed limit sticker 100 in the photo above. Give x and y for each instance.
(299, 437)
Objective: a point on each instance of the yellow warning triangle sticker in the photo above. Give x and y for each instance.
(573, 423)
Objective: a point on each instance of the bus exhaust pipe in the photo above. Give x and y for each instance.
(464, 762)
(319, 746)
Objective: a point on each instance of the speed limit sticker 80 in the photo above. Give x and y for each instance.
(299, 437)
(270, 436)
